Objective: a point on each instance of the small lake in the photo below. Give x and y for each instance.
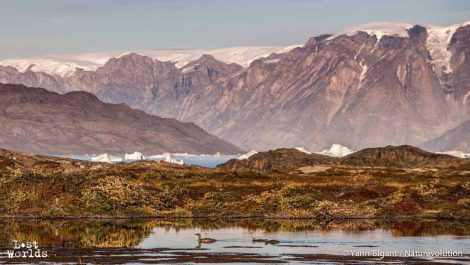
(296, 242)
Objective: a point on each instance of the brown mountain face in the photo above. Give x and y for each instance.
(10, 75)
(148, 84)
(357, 89)
(135, 80)
(39, 121)
(459, 79)
(390, 156)
(353, 90)
(455, 139)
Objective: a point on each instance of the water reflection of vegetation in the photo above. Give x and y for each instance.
(73, 233)
(129, 233)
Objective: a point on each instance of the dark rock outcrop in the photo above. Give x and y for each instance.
(390, 156)
(399, 156)
(283, 159)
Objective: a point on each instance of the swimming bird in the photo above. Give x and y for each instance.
(205, 240)
(266, 241)
(272, 242)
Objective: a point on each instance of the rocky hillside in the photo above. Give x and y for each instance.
(280, 159)
(39, 121)
(390, 156)
(373, 85)
(400, 156)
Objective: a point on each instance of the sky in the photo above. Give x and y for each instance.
(31, 28)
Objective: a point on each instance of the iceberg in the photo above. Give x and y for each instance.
(106, 158)
(458, 154)
(169, 158)
(303, 150)
(337, 150)
(134, 156)
(103, 158)
(248, 155)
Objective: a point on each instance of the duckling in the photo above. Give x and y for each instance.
(206, 240)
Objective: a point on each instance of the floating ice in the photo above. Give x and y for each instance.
(104, 158)
(134, 156)
(303, 150)
(248, 155)
(459, 154)
(337, 150)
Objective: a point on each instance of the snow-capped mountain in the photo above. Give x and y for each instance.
(66, 64)
(372, 85)
(362, 89)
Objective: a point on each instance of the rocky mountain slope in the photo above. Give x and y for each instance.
(455, 139)
(374, 85)
(358, 90)
(135, 80)
(39, 121)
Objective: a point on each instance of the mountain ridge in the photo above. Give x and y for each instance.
(66, 65)
(353, 84)
(44, 122)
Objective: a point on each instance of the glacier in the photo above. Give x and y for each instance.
(65, 65)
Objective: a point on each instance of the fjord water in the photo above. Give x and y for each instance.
(300, 237)
(210, 161)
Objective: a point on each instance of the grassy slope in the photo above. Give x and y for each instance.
(39, 186)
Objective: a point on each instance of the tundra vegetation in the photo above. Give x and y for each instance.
(36, 186)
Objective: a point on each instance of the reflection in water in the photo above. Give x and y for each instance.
(132, 233)
(75, 233)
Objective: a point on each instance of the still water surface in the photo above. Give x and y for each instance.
(236, 237)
